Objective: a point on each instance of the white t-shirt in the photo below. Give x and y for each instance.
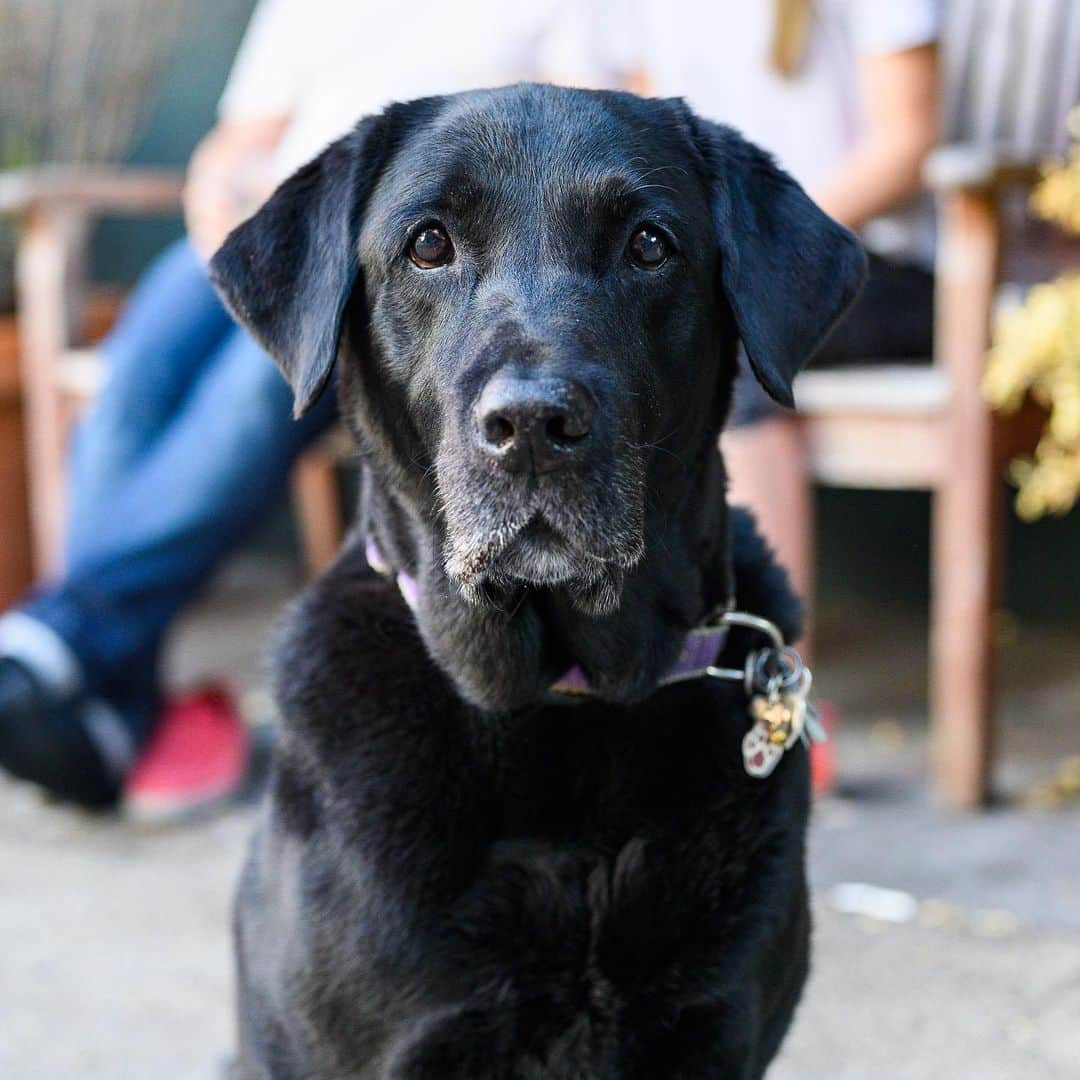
(326, 63)
(715, 53)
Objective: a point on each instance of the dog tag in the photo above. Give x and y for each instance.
(760, 756)
(779, 720)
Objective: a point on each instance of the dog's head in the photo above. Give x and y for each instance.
(535, 295)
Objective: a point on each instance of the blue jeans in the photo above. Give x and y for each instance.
(187, 445)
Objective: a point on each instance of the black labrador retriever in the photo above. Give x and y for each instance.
(471, 864)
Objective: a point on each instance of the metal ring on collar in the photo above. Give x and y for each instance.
(782, 668)
(754, 622)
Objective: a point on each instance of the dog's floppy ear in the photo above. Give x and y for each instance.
(287, 273)
(787, 269)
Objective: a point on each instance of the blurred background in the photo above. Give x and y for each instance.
(937, 529)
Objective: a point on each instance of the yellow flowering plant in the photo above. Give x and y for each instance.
(1036, 352)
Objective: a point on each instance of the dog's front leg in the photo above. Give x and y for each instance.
(392, 758)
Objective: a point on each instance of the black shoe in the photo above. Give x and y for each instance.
(46, 742)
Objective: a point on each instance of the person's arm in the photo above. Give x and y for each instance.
(884, 169)
(228, 177)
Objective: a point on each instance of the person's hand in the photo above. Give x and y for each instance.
(228, 179)
(210, 210)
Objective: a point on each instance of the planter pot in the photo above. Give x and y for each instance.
(15, 551)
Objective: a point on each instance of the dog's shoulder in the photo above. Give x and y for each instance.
(347, 640)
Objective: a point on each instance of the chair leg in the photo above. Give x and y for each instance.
(318, 508)
(967, 554)
(967, 509)
(48, 258)
(769, 470)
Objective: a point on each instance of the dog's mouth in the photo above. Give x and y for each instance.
(537, 553)
(540, 555)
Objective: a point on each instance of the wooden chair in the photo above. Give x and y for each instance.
(60, 316)
(1011, 72)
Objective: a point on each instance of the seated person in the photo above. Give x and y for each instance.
(844, 93)
(192, 437)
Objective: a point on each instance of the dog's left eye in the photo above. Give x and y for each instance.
(649, 248)
(430, 247)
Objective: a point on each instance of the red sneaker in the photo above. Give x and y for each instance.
(197, 757)
(823, 754)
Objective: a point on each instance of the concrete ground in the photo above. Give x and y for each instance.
(114, 953)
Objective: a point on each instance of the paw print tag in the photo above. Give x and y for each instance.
(760, 755)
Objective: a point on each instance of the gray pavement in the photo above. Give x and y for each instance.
(114, 954)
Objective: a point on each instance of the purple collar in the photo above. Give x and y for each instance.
(776, 681)
(699, 652)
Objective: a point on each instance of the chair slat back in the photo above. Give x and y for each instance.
(1011, 71)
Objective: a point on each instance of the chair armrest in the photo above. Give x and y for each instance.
(91, 190)
(976, 167)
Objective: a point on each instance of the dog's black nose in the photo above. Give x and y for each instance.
(533, 424)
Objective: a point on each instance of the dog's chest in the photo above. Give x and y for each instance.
(613, 889)
(615, 842)
(567, 888)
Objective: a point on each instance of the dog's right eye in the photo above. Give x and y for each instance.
(430, 247)
(649, 248)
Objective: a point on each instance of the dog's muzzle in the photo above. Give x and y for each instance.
(538, 490)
